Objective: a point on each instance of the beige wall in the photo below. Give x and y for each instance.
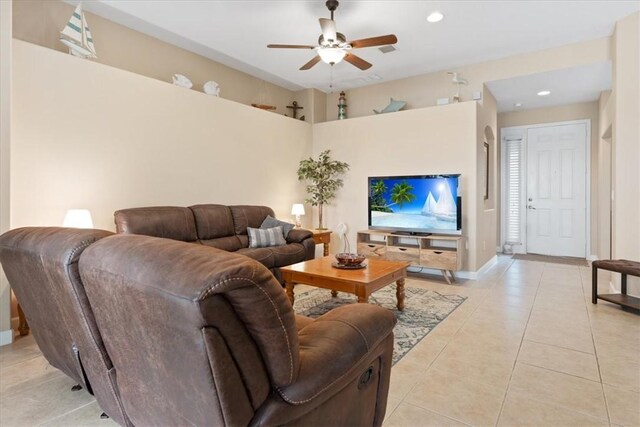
(435, 140)
(563, 113)
(134, 141)
(603, 158)
(5, 164)
(626, 143)
(40, 22)
(486, 210)
(423, 90)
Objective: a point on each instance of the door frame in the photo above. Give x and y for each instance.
(521, 132)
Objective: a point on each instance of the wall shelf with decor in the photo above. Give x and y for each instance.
(439, 252)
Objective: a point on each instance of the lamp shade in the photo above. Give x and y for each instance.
(78, 218)
(332, 55)
(297, 209)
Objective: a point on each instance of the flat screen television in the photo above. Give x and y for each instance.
(415, 204)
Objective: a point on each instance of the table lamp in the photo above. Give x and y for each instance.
(297, 209)
(78, 218)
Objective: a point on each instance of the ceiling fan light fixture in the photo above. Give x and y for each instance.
(332, 55)
(435, 17)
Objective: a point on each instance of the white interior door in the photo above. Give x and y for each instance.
(556, 190)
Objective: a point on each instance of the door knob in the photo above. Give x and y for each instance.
(530, 207)
(530, 199)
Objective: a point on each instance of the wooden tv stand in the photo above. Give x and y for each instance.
(439, 252)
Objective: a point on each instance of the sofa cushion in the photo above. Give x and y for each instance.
(229, 244)
(288, 254)
(169, 222)
(249, 216)
(270, 222)
(213, 221)
(265, 237)
(264, 256)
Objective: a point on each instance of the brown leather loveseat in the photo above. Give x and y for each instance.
(171, 333)
(219, 226)
(200, 336)
(41, 264)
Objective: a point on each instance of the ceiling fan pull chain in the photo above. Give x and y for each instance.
(331, 79)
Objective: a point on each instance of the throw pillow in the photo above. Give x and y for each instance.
(270, 222)
(265, 237)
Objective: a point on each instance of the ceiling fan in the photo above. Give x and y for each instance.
(333, 46)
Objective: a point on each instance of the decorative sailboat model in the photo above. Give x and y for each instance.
(77, 35)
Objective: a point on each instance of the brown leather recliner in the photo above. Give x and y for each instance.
(201, 336)
(219, 226)
(41, 264)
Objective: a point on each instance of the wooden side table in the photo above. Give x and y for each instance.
(322, 237)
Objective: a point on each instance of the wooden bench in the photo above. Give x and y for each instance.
(624, 267)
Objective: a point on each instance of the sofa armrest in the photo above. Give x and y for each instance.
(333, 346)
(298, 235)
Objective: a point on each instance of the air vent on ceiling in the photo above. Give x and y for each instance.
(386, 49)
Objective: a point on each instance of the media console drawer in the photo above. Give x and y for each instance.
(372, 249)
(439, 252)
(399, 253)
(442, 259)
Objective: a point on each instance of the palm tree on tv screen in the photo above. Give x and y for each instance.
(401, 193)
(378, 202)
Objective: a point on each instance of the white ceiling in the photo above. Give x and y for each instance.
(236, 32)
(567, 86)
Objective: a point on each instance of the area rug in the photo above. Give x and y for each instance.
(423, 310)
(581, 262)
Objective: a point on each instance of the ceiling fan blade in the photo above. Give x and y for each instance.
(290, 46)
(374, 41)
(357, 61)
(311, 63)
(329, 31)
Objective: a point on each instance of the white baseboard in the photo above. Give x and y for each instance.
(475, 274)
(469, 275)
(592, 257)
(6, 337)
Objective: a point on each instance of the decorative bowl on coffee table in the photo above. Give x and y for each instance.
(349, 260)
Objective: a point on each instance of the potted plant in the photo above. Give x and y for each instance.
(322, 180)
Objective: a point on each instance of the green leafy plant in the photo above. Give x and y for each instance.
(322, 177)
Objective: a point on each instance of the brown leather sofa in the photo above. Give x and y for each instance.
(42, 267)
(218, 226)
(200, 336)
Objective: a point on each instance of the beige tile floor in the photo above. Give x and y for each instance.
(526, 348)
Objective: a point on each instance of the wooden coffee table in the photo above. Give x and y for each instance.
(362, 283)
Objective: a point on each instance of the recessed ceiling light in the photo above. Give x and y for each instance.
(518, 104)
(544, 93)
(435, 17)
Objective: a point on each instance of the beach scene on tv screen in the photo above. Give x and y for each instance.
(414, 203)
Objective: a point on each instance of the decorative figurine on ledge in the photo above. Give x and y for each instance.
(211, 88)
(342, 106)
(182, 81)
(295, 109)
(393, 106)
(76, 35)
(458, 81)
